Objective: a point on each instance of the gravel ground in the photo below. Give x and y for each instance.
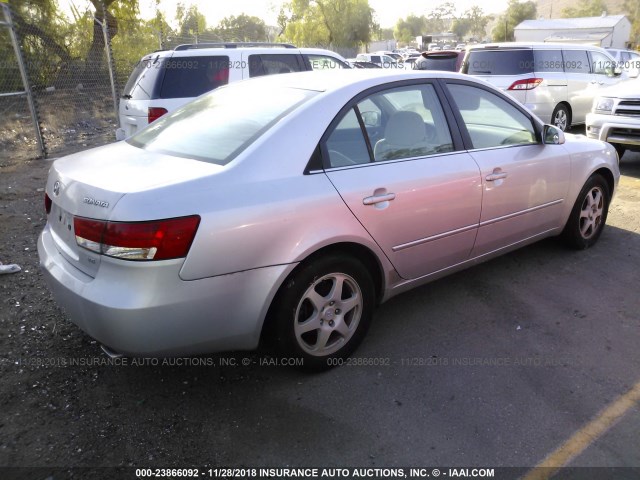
(91, 414)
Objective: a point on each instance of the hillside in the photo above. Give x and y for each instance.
(554, 8)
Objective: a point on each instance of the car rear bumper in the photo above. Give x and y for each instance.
(137, 312)
(614, 129)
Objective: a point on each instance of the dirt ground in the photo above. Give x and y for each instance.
(53, 414)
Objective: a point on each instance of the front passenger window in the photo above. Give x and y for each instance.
(602, 65)
(490, 120)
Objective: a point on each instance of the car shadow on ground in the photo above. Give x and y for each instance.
(630, 164)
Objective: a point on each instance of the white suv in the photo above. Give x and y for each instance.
(615, 117)
(557, 82)
(163, 81)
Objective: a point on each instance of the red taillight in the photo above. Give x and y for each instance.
(155, 113)
(47, 204)
(526, 84)
(154, 240)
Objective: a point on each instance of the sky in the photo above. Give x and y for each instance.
(387, 11)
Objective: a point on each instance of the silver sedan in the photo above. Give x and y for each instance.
(286, 208)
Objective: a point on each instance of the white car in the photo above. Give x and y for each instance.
(382, 60)
(163, 81)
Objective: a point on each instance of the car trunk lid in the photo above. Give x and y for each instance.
(90, 184)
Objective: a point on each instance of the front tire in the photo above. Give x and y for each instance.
(323, 310)
(589, 214)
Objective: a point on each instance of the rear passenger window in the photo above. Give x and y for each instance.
(548, 60)
(269, 64)
(576, 61)
(490, 120)
(193, 76)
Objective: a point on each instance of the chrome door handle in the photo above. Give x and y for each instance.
(378, 199)
(496, 176)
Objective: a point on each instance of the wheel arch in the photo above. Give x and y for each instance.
(608, 176)
(353, 249)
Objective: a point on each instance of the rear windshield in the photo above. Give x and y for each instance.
(434, 62)
(193, 76)
(215, 128)
(499, 62)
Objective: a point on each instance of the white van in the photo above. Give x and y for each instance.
(557, 82)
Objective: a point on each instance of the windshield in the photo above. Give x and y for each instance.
(217, 126)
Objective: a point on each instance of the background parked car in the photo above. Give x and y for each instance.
(615, 117)
(358, 64)
(163, 81)
(446, 60)
(287, 207)
(396, 56)
(557, 82)
(383, 61)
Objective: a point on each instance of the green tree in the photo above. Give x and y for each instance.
(342, 23)
(440, 18)
(406, 30)
(590, 8)
(191, 22)
(477, 20)
(111, 12)
(242, 28)
(516, 13)
(461, 26)
(43, 44)
(632, 9)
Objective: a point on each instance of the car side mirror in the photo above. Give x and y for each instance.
(371, 119)
(552, 135)
(613, 71)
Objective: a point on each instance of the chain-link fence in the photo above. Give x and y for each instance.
(19, 138)
(74, 66)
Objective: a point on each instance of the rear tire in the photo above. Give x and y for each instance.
(561, 117)
(323, 311)
(589, 214)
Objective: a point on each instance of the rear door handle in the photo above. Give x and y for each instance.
(387, 197)
(496, 176)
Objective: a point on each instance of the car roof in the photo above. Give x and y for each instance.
(320, 51)
(329, 80)
(203, 49)
(532, 45)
